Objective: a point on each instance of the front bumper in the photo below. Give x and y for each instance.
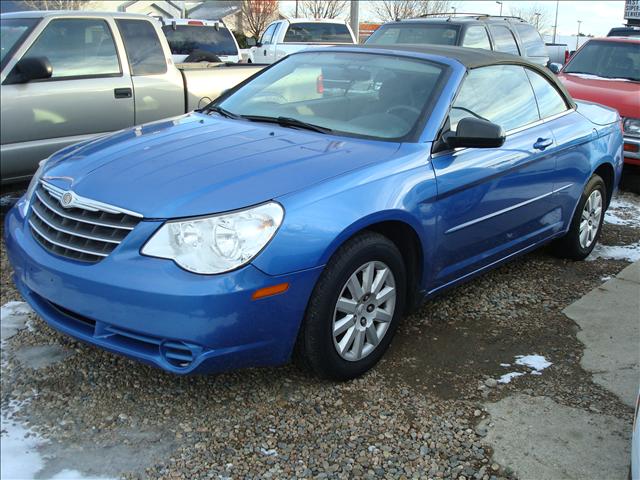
(153, 311)
(632, 150)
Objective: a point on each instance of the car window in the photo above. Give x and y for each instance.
(12, 33)
(503, 40)
(143, 47)
(531, 40)
(77, 47)
(184, 39)
(267, 36)
(550, 101)
(320, 32)
(607, 60)
(414, 34)
(501, 94)
(353, 93)
(476, 37)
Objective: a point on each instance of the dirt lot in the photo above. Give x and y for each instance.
(71, 410)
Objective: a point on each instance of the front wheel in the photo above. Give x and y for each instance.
(586, 224)
(354, 309)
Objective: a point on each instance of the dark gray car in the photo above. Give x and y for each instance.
(503, 34)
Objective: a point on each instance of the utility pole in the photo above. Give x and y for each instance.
(537, 21)
(296, 8)
(578, 36)
(555, 26)
(355, 19)
(454, 11)
(500, 3)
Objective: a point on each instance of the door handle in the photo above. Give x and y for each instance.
(122, 92)
(542, 143)
(265, 53)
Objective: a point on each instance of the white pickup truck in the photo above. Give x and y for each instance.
(68, 76)
(284, 37)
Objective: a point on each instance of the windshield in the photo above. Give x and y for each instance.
(12, 32)
(607, 60)
(414, 34)
(360, 94)
(187, 38)
(319, 32)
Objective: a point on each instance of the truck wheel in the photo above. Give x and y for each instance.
(202, 56)
(354, 309)
(586, 224)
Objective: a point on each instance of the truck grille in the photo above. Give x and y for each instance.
(86, 230)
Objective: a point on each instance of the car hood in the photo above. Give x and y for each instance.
(198, 164)
(623, 95)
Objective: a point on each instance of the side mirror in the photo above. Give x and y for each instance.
(31, 68)
(476, 133)
(555, 67)
(251, 42)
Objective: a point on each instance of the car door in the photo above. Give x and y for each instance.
(494, 202)
(89, 92)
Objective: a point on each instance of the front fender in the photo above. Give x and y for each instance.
(320, 219)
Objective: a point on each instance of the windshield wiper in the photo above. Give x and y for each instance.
(288, 122)
(222, 111)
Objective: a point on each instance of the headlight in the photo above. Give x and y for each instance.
(218, 243)
(631, 126)
(26, 199)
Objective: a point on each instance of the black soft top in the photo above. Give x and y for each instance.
(471, 58)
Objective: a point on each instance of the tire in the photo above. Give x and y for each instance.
(317, 349)
(570, 246)
(198, 56)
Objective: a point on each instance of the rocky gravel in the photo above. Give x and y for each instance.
(417, 415)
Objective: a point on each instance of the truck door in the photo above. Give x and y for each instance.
(262, 52)
(158, 85)
(89, 92)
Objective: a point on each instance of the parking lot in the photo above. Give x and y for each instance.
(433, 408)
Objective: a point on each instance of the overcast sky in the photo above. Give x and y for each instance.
(597, 16)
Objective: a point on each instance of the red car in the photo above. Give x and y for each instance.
(607, 71)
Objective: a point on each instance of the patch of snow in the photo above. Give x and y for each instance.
(507, 377)
(18, 448)
(606, 278)
(630, 253)
(505, 364)
(623, 210)
(14, 317)
(269, 453)
(535, 362)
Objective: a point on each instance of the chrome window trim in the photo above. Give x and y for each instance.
(87, 203)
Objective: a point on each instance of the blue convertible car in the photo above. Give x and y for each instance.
(305, 210)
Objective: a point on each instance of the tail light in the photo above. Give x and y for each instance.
(566, 56)
(319, 84)
(195, 22)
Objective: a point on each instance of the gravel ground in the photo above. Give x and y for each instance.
(415, 416)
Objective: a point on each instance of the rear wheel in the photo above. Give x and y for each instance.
(586, 224)
(354, 309)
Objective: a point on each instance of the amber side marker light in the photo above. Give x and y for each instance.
(630, 147)
(270, 291)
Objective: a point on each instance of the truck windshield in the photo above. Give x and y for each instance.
(185, 39)
(318, 32)
(607, 60)
(12, 32)
(357, 94)
(414, 34)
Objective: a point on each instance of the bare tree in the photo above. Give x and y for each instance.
(534, 14)
(257, 14)
(54, 4)
(389, 10)
(322, 8)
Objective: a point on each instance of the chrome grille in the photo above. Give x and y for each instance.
(86, 231)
